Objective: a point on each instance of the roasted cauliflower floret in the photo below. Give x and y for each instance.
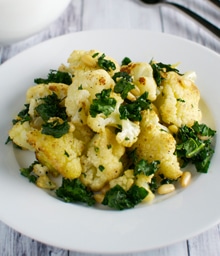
(156, 143)
(58, 154)
(83, 90)
(178, 102)
(18, 135)
(143, 181)
(43, 180)
(125, 181)
(80, 60)
(142, 75)
(102, 160)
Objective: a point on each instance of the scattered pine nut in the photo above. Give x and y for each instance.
(185, 179)
(165, 189)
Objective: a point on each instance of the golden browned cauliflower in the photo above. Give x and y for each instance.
(101, 163)
(83, 90)
(58, 154)
(18, 134)
(81, 60)
(142, 75)
(178, 102)
(156, 143)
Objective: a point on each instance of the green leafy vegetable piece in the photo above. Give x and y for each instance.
(107, 65)
(144, 167)
(159, 68)
(194, 146)
(28, 172)
(55, 128)
(132, 109)
(103, 104)
(23, 115)
(123, 83)
(75, 191)
(119, 199)
(51, 108)
(55, 77)
(125, 61)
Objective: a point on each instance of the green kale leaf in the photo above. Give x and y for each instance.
(28, 172)
(119, 199)
(103, 104)
(51, 108)
(132, 109)
(75, 191)
(146, 168)
(107, 65)
(23, 115)
(55, 128)
(160, 68)
(55, 77)
(194, 146)
(123, 83)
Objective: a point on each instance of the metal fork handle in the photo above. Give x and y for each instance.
(211, 27)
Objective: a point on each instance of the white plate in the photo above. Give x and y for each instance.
(36, 214)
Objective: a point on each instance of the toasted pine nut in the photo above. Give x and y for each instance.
(173, 129)
(136, 91)
(165, 189)
(185, 179)
(88, 60)
(131, 97)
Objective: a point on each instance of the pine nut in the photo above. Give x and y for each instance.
(131, 97)
(136, 91)
(165, 189)
(173, 129)
(185, 179)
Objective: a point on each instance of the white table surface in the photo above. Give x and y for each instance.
(107, 14)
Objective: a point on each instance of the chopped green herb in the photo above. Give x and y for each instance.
(103, 104)
(66, 153)
(28, 172)
(159, 68)
(180, 100)
(146, 168)
(123, 83)
(101, 168)
(55, 77)
(55, 128)
(23, 115)
(126, 61)
(80, 87)
(51, 108)
(95, 54)
(107, 65)
(132, 109)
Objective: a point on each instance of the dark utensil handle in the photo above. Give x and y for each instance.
(215, 30)
(216, 2)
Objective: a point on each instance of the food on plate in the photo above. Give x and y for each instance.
(116, 134)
